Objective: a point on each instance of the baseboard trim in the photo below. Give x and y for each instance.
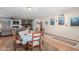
(62, 37)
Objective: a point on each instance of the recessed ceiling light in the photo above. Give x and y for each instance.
(29, 8)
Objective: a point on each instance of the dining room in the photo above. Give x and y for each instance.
(39, 29)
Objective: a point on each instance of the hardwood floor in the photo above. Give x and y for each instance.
(50, 44)
(61, 45)
(6, 44)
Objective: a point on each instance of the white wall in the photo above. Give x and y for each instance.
(66, 30)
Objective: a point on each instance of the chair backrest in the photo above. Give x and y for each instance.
(36, 38)
(36, 34)
(16, 37)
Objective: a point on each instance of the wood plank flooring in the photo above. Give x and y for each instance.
(6, 44)
(50, 44)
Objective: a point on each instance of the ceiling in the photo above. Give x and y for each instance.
(24, 13)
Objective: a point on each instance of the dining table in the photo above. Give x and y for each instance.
(25, 37)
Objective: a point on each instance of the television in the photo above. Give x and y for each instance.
(75, 21)
(15, 22)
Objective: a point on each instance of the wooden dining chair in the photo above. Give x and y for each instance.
(36, 41)
(17, 41)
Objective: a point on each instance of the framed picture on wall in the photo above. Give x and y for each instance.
(61, 20)
(52, 21)
(46, 22)
(75, 21)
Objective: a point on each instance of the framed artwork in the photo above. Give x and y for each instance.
(46, 22)
(61, 20)
(75, 21)
(52, 21)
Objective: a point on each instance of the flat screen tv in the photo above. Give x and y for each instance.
(75, 21)
(15, 22)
